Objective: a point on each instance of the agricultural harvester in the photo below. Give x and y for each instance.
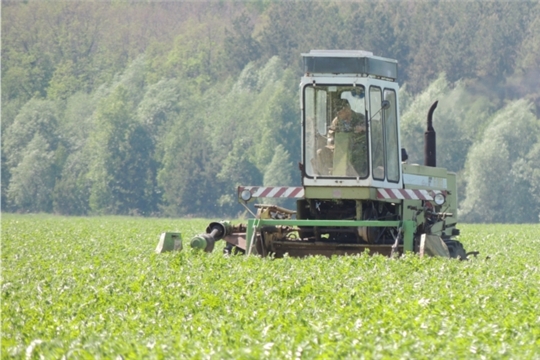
(358, 192)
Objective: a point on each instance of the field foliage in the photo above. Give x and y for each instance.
(94, 288)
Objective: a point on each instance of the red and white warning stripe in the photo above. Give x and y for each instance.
(406, 194)
(298, 192)
(273, 191)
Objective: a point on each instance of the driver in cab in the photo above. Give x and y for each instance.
(347, 121)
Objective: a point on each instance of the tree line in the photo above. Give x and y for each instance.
(163, 108)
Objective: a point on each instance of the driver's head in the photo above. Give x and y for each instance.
(342, 103)
(343, 109)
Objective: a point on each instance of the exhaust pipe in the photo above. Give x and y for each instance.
(430, 155)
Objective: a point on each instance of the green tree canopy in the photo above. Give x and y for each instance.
(32, 180)
(498, 180)
(166, 107)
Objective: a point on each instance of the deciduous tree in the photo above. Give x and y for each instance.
(498, 183)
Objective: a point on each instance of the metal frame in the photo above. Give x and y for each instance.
(254, 226)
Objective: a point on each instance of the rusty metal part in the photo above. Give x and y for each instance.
(306, 248)
(237, 239)
(269, 211)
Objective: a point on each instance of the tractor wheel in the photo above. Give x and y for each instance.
(231, 249)
(456, 250)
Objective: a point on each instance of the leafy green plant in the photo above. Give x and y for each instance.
(94, 288)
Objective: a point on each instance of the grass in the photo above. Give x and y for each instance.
(94, 288)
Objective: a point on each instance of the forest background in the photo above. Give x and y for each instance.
(163, 108)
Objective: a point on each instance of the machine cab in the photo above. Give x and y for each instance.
(350, 120)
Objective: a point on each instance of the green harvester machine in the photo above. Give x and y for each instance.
(358, 192)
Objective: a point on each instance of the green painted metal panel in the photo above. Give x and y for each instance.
(336, 193)
(343, 223)
(249, 233)
(408, 235)
(424, 170)
(169, 241)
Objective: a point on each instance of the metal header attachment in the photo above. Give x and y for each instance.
(357, 62)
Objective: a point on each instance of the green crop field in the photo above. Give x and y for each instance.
(86, 288)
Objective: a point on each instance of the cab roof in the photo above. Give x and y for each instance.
(357, 62)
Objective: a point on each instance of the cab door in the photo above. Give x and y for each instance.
(385, 157)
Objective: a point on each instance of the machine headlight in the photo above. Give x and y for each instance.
(439, 199)
(245, 195)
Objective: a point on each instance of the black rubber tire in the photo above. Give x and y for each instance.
(230, 249)
(456, 250)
